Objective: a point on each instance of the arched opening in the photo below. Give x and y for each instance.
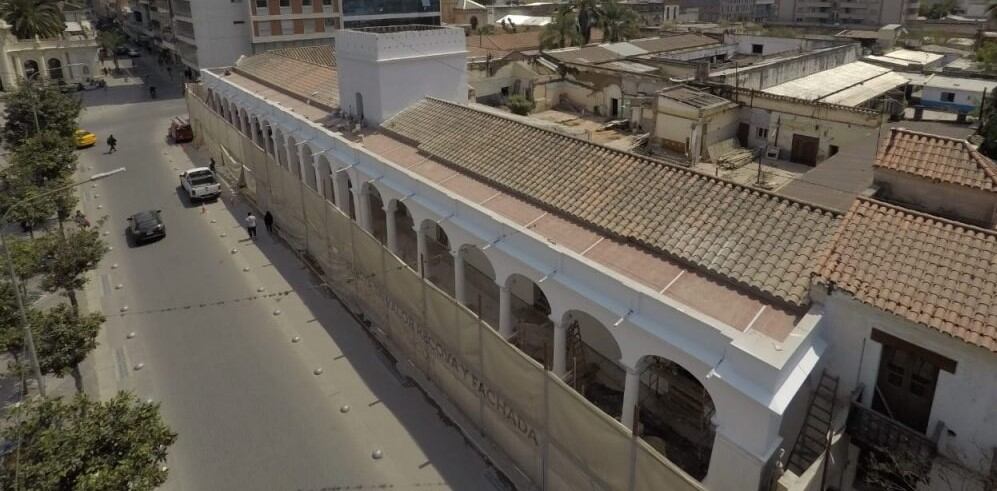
(30, 69)
(54, 69)
(480, 290)
(325, 177)
(677, 415)
(474, 23)
(406, 238)
(592, 360)
(243, 123)
(256, 132)
(292, 157)
(375, 210)
(351, 208)
(279, 147)
(533, 330)
(268, 139)
(308, 166)
(438, 261)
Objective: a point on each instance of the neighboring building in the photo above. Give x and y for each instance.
(210, 33)
(688, 121)
(855, 84)
(285, 24)
(912, 329)
(371, 13)
(70, 59)
(957, 95)
(465, 13)
(946, 177)
(726, 10)
(860, 12)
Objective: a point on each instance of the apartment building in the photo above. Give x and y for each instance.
(209, 33)
(847, 12)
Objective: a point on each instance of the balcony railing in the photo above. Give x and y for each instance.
(873, 430)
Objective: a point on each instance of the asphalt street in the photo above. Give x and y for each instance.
(233, 382)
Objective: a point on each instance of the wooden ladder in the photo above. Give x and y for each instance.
(815, 435)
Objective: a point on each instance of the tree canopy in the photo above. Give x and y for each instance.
(30, 18)
(618, 22)
(64, 340)
(57, 113)
(82, 444)
(562, 30)
(65, 260)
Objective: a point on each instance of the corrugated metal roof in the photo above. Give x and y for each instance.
(629, 66)
(822, 84)
(624, 49)
(910, 55)
(968, 84)
(870, 89)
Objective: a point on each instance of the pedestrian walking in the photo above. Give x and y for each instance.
(112, 143)
(211, 164)
(251, 225)
(268, 221)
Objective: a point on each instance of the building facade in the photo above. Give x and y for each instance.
(70, 59)
(834, 13)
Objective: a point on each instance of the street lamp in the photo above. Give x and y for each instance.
(29, 339)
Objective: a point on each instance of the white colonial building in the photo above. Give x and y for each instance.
(607, 320)
(71, 58)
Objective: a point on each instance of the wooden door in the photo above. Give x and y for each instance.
(906, 387)
(742, 134)
(804, 149)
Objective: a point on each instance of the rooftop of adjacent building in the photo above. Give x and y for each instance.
(938, 159)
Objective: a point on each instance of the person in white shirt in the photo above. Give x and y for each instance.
(251, 225)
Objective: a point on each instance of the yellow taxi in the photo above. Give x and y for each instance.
(84, 139)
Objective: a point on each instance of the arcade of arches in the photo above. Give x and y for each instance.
(669, 407)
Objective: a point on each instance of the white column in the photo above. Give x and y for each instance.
(420, 241)
(560, 348)
(631, 391)
(319, 183)
(460, 286)
(363, 210)
(300, 150)
(339, 192)
(505, 312)
(392, 227)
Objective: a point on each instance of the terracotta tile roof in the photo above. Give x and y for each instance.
(938, 158)
(935, 272)
(323, 55)
(759, 241)
(288, 71)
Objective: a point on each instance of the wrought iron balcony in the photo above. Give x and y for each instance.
(873, 430)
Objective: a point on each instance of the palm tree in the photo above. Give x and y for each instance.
(618, 22)
(588, 12)
(33, 18)
(562, 30)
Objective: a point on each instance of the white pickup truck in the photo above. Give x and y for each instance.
(200, 183)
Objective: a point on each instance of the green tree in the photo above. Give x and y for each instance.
(31, 18)
(111, 41)
(988, 126)
(987, 56)
(618, 22)
(83, 444)
(588, 13)
(520, 105)
(26, 210)
(66, 259)
(64, 340)
(44, 157)
(562, 30)
(57, 112)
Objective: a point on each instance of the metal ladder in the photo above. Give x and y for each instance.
(815, 435)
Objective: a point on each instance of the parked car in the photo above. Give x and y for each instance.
(121, 51)
(133, 53)
(84, 138)
(146, 226)
(200, 184)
